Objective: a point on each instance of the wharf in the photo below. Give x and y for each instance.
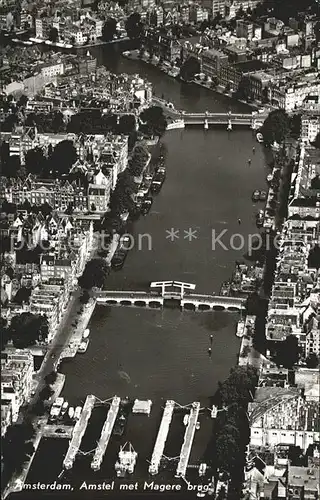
(105, 434)
(71, 350)
(79, 431)
(57, 431)
(161, 437)
(188, 440)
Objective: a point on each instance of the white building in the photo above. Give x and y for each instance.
(296, 94)
(310, 127)
(52, 69)
(17, 368)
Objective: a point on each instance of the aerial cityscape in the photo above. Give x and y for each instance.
(160, 249)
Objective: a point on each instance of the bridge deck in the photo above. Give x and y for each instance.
(78, 432)
(188, 440)
(161, 437)
(105, 434)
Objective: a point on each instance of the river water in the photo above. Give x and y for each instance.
(159, 355)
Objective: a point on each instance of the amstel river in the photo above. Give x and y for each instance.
(161, 355)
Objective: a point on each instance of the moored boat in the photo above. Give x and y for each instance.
(263, 196)
(83, 346)
(64, 408)
(225, 289)
(126, 460)
(71, 412)
(240, 328)
(269, 178)
(255, 195)
(86, 333)
(77, 413)
(122, 418)
(146, 205)
(260, 218)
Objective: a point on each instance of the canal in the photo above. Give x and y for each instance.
(161, 355)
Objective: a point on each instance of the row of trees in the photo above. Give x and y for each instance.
(58, 161)
(122, 197)
(232, 426)
(25, 330)
(17, 447)
(95, 274)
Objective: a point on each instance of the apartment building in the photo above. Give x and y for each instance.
(304, 200)
(17, 368)
(42, 27)
(212, 61)
(310, 126)
(248, 30)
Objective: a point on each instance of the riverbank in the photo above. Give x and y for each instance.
(60, 45)
(174, 73)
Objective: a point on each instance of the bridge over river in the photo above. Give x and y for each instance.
(180, 118)
(173, 291)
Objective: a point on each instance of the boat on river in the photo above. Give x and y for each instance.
(119, 258)
(225, 289)
(122, 418)
(263, 196)
(269, 177)
(126, 460)
(146, 205)
(259, 137)
(86, 333)
(83, 346)
(157, 183)
(260, 218)
(255, 195)
(240, 328)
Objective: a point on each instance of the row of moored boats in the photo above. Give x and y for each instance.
(60, 411)
(151, 184)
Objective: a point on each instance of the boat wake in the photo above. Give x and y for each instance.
(125, 376)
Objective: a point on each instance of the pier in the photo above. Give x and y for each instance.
(79, 431)
(188, 440)
(105, 434)
(161, 437)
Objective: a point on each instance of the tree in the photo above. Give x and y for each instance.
(27, 328)
(3, 333)
(109, 29)
(22, 101)
(226, 452)
(51, 378)
(126, 125)
(35, 161)
(236, 389)
(190, 68)
(63, 157)
(46, 393)
(22, 295)
(16, 446)
(295, 125)
(134, 26)
(53, 34)
(312, 360)
(94, 274)
(22, 172)
(288, 352)
(244, 88)
(153, 121)
(316, 142)
(276, 127)
(85, 297)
